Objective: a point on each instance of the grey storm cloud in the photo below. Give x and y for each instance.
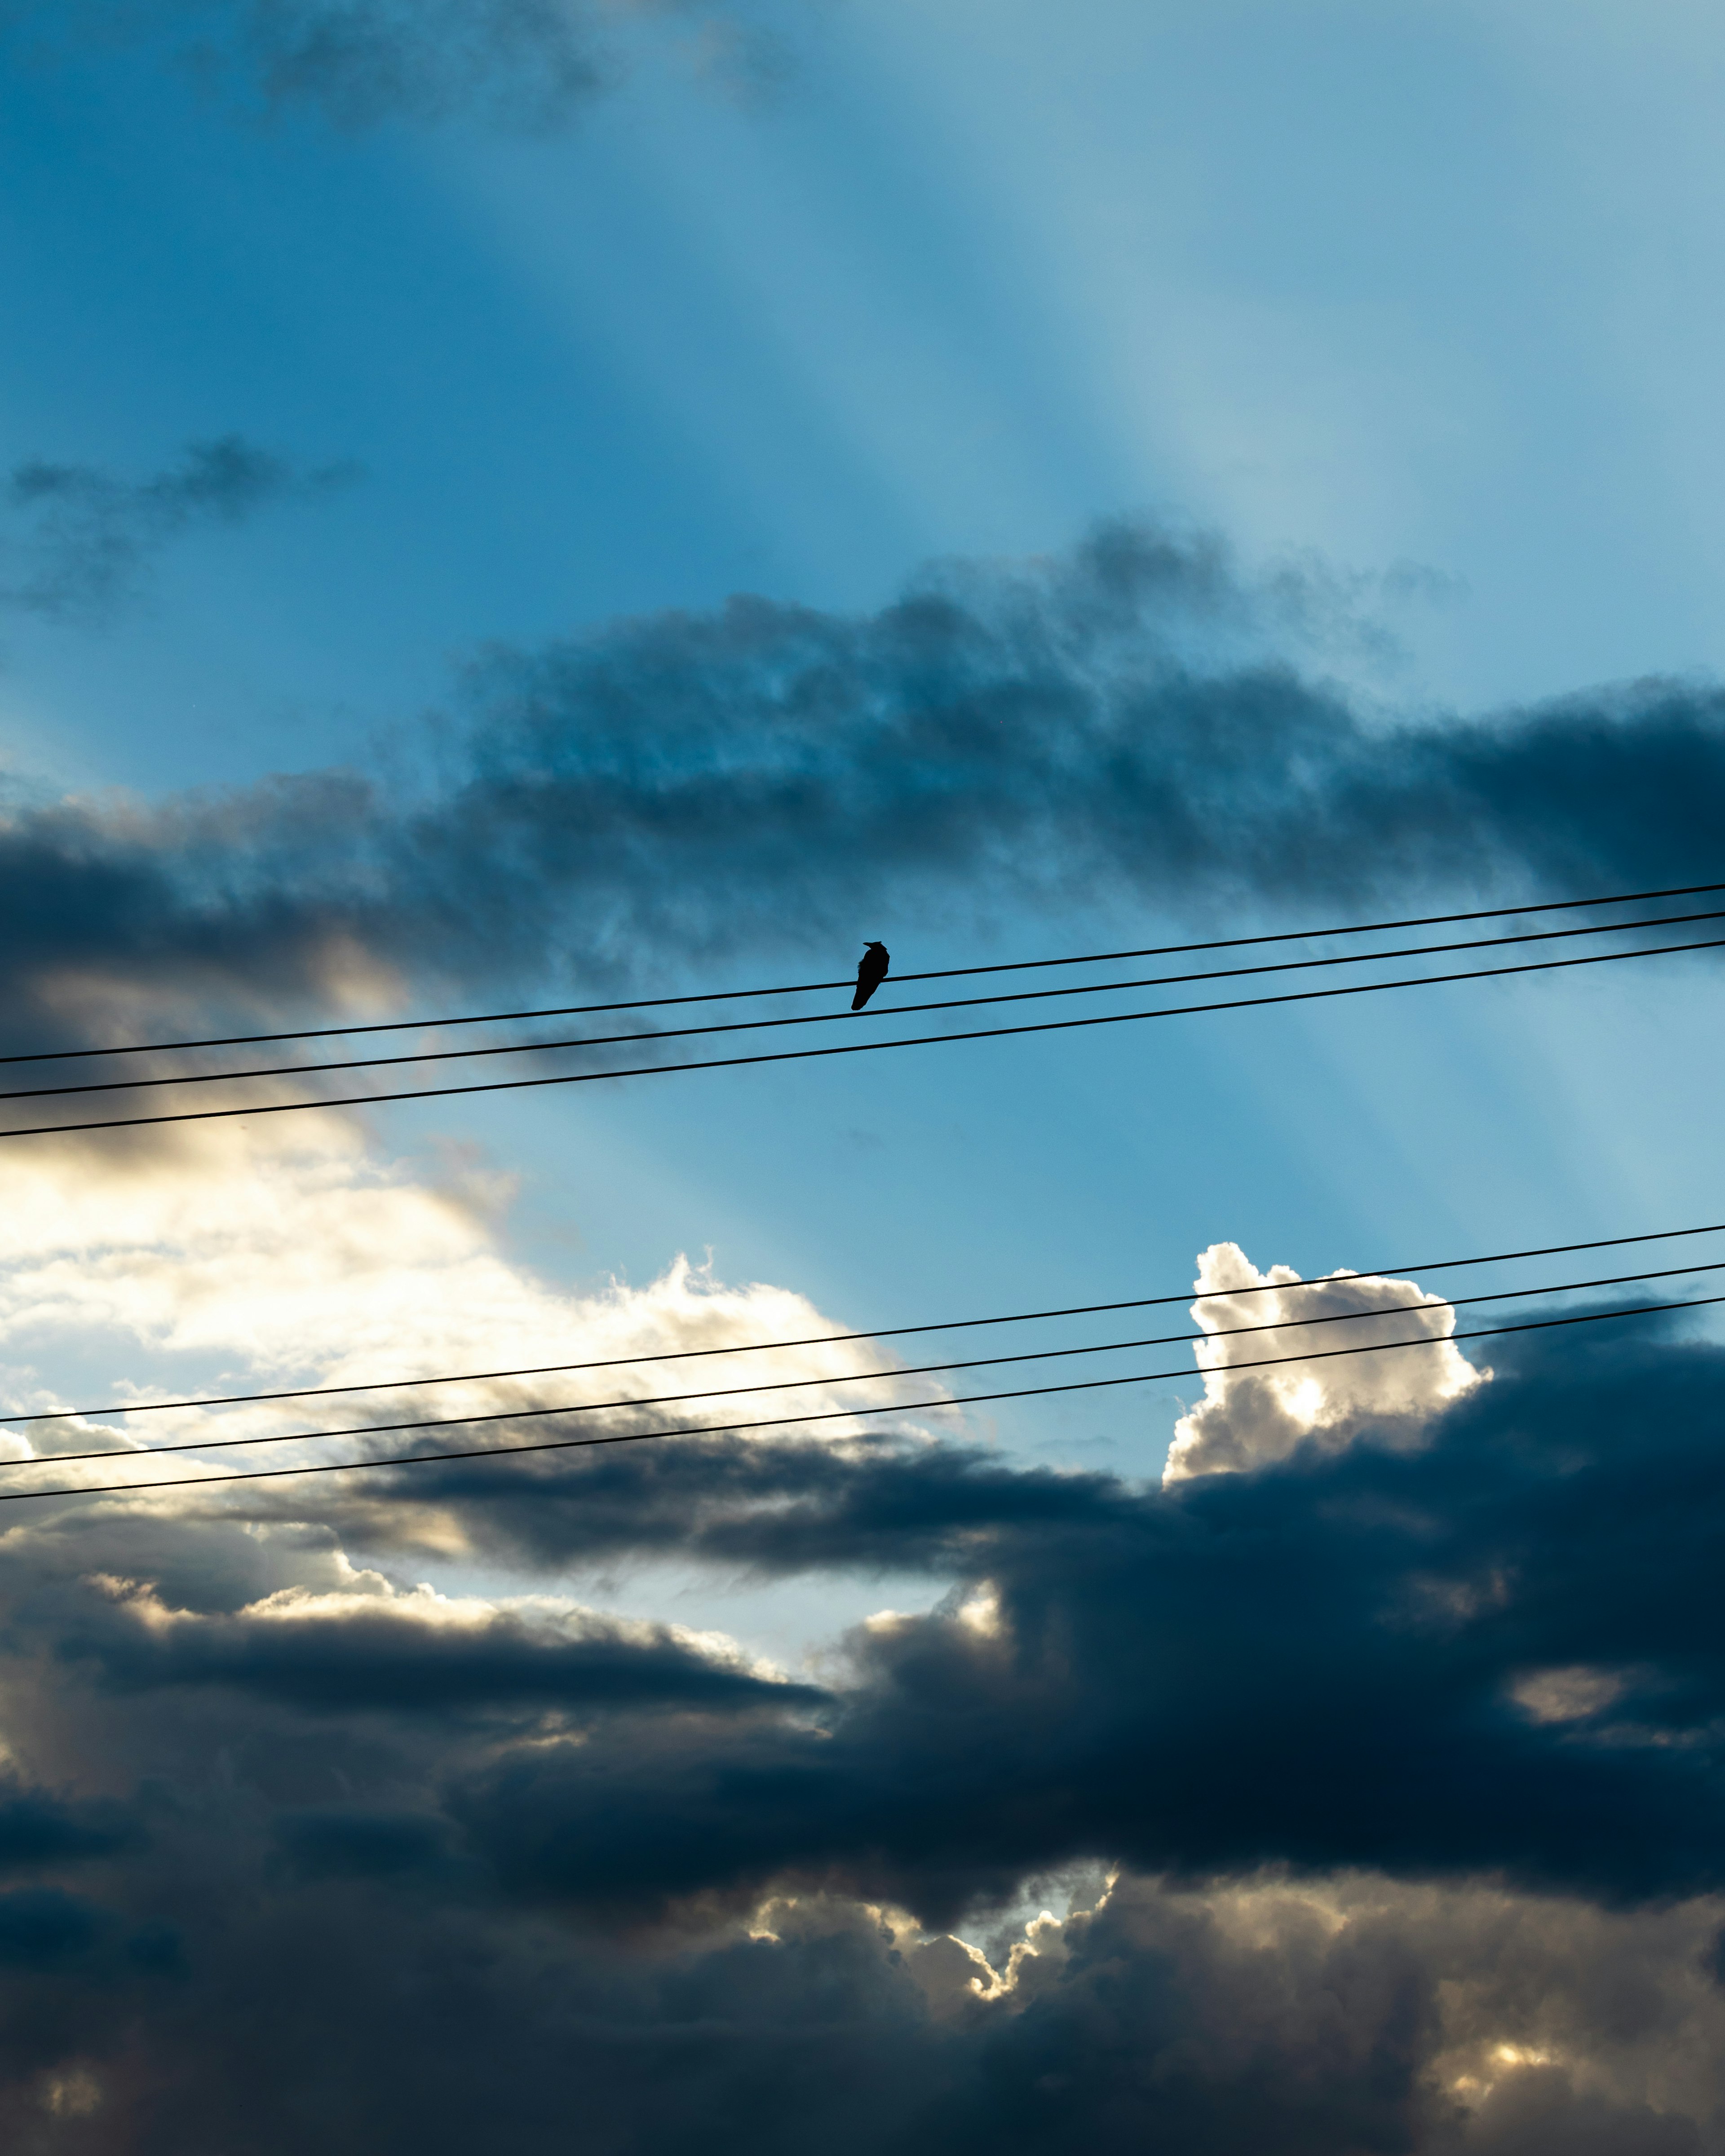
(1317, 1666)
(76, 541)
(1113, 732)
(1403, 1765)
(388, 1656)
(36, 1829)
(824, 2034)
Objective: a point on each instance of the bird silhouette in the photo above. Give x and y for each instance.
(870, 973)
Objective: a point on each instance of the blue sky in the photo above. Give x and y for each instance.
(1417, 309)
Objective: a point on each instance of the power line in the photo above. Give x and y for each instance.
(836, 1414)
(811, 987)
(871, 1377)
(875, 1332)
(851, 1048)
(889, 1012)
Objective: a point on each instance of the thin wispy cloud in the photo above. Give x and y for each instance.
(77, 543)
(526, 67)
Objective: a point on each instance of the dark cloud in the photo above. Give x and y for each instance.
(1190, 2023)
(43, 1926)
(411, 1659)
(1408, 1761)
(1110, 733)
(359, 1844)
(1113, 729)
(76, 540)
(1497, 1655)
(36, 1829)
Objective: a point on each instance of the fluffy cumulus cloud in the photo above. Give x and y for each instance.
(1252, 1415)
(1115, 731)
(1363, 1796)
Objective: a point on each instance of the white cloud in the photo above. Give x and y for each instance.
(1252, 1417)
(281, 1256)
(1570, 1694)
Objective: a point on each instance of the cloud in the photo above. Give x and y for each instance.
(521, 63)
(37, 1828)
(76, 541)
(422, 1653)
(1321, 1662)
(242, 1258)
(1399, 1739)
(1311, 1662)
(42, 1926)
(1113, 733)
(1403, 1592)
(1356, 2015)
(1249, 1418)
(1400, 1754)
(529, 66)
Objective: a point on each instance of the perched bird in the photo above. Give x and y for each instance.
(870, 973)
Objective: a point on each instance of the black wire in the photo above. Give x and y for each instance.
(869, 1377)
(875, 1332)
(837, 1018)
(848, 1048)
(811, 987)
(835, 1414)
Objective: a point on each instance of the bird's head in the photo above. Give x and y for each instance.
(876, 947)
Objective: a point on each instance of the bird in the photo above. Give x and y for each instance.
(870, 973)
